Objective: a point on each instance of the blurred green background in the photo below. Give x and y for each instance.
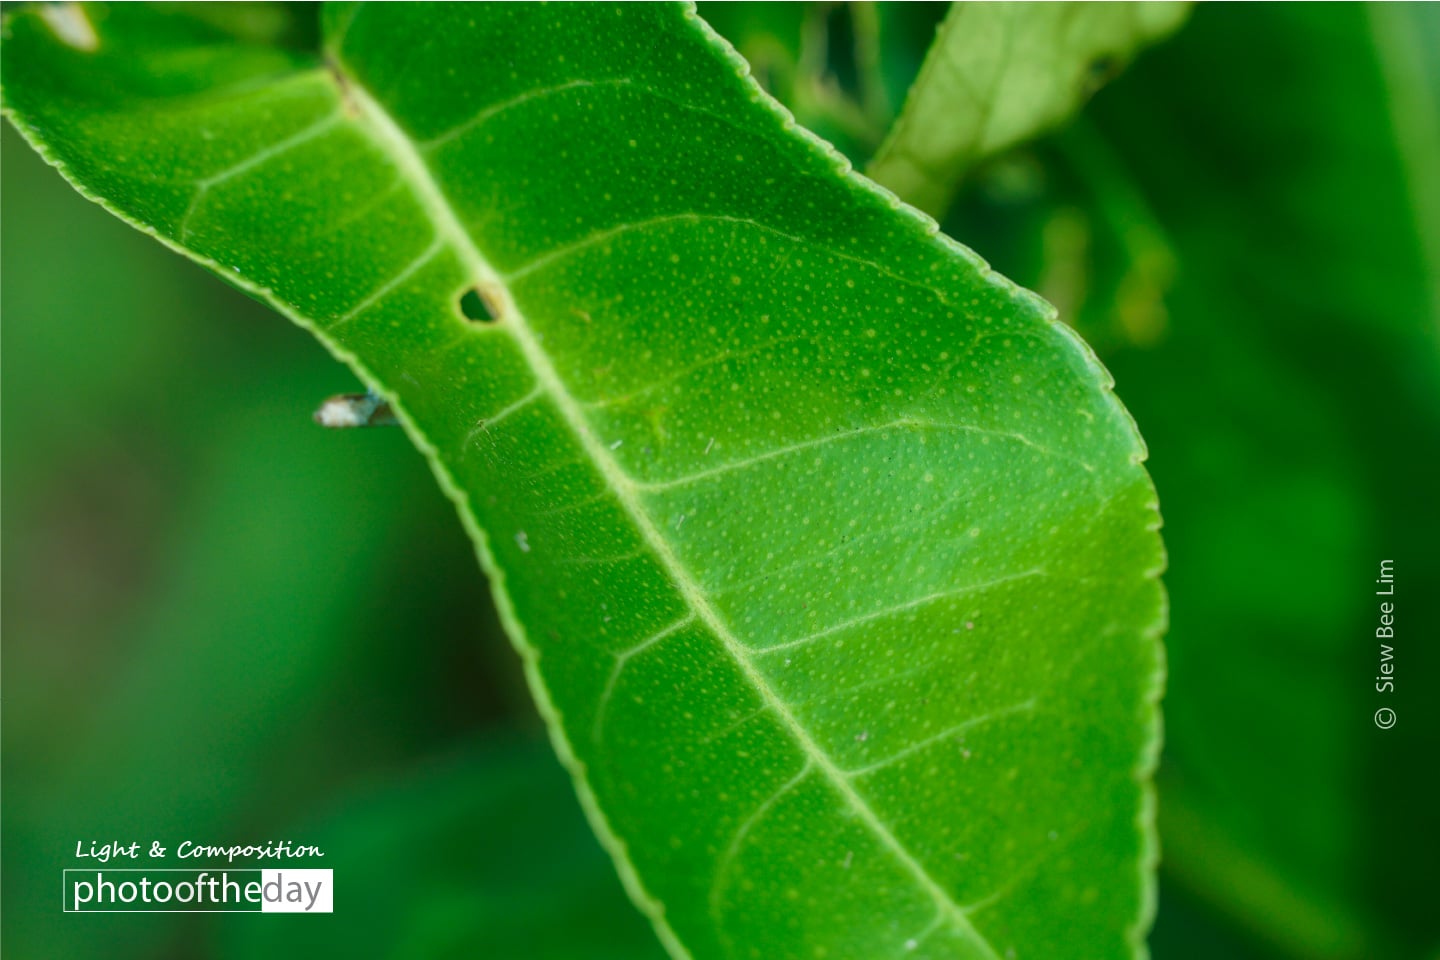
(224, 624)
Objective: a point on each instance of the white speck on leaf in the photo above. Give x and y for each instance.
(522, 541)
(69, 23)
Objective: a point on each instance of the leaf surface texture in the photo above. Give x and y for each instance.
(828, 550)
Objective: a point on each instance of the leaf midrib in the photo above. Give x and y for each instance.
(403, 153)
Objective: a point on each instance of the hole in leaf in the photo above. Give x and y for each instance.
(478, 305)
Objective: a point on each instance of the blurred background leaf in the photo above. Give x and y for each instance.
(997, 75)
(1296, 410)
(217, 616)
(486, 855)
(1232, 226)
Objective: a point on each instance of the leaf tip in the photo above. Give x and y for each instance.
(70, 26)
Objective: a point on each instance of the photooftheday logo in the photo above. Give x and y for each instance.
(198, 891)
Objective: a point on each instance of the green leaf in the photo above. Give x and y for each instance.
(1295, 407)
(832, 65)
(484, 854)
(1000, 73)
(1292, 404)
(171, 665)
(828, 550)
